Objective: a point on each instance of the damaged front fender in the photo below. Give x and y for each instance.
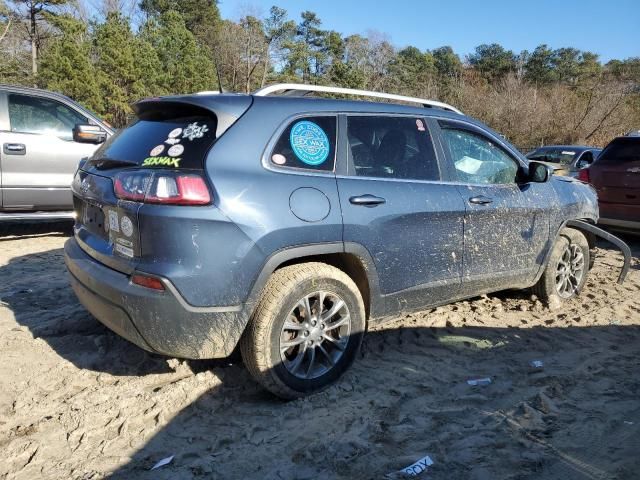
(624, 248)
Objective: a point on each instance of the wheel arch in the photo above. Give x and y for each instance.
(567, 223)
(351, 258)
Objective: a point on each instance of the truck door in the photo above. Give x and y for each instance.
(39, 156)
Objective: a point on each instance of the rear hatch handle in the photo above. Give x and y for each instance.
(624, 248)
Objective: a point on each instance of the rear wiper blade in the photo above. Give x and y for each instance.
(105, 163)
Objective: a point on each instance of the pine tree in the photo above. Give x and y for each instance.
(185, 67)
(66, 67)
(126, 67)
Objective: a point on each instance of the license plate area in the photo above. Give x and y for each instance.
(123, 230)
(93, 219)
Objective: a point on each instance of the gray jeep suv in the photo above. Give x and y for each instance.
(287, 225)
(44, 135)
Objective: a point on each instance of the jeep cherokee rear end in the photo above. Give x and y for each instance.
(146, 215)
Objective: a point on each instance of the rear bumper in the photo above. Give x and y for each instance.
(160, 322)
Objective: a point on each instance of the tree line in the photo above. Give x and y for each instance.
(107, 54)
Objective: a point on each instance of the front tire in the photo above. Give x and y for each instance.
(306, 330)
(567, 269)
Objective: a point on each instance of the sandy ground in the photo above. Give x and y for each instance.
(76, 401)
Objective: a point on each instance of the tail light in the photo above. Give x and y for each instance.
(164, 187)
(583, 175)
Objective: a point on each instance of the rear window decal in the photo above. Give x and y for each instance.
(155, 151)
(194, 130)
(161, 161)
(176, 150)
(309, 143)
(175, 133)
(420, 125)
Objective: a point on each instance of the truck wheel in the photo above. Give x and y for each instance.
(567, 269)
(305, 331)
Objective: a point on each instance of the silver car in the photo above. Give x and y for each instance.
(565, 160)
(44, 135)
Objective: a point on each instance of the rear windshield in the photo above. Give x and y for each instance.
(621, 150)
(180, 142)
(561, 156)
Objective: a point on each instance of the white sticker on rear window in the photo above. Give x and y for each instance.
(155, 151)
(568, 153)
(113, 221)
(175, 151)
(175, 132)
(194, 131)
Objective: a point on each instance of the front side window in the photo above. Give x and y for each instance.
(391, 147)
(307, 143)
(42, 116)
(477, 159)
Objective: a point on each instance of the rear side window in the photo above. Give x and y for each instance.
(476, 158)
(391, 147)
(621, 150)
(175, 142)
(307, 143)
(42, 116)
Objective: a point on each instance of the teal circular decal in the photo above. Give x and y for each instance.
(309, 143)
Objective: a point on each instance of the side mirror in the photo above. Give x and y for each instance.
(88, 134)
(539, 172)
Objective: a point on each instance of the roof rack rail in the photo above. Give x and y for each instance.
(297, 87)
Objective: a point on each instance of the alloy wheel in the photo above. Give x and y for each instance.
(315, 335)
(570, 271)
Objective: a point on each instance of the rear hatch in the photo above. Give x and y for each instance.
(616, 176)
(159, 158)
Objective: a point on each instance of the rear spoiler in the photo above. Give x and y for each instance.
(624, 248)
(226, 108)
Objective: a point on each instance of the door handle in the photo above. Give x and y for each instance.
(14, 148)
(480, 200)
(367, 200)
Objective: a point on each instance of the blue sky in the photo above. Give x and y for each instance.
(610, 28)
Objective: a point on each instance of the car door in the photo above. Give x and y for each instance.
(506, 223)
(39, 156)
(395, 204)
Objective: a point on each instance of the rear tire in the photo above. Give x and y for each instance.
(306, 330)
(567, 269)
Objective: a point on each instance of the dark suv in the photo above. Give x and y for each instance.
(287, 224)
(616, 178)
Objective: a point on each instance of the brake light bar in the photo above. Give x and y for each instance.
(162, 187)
